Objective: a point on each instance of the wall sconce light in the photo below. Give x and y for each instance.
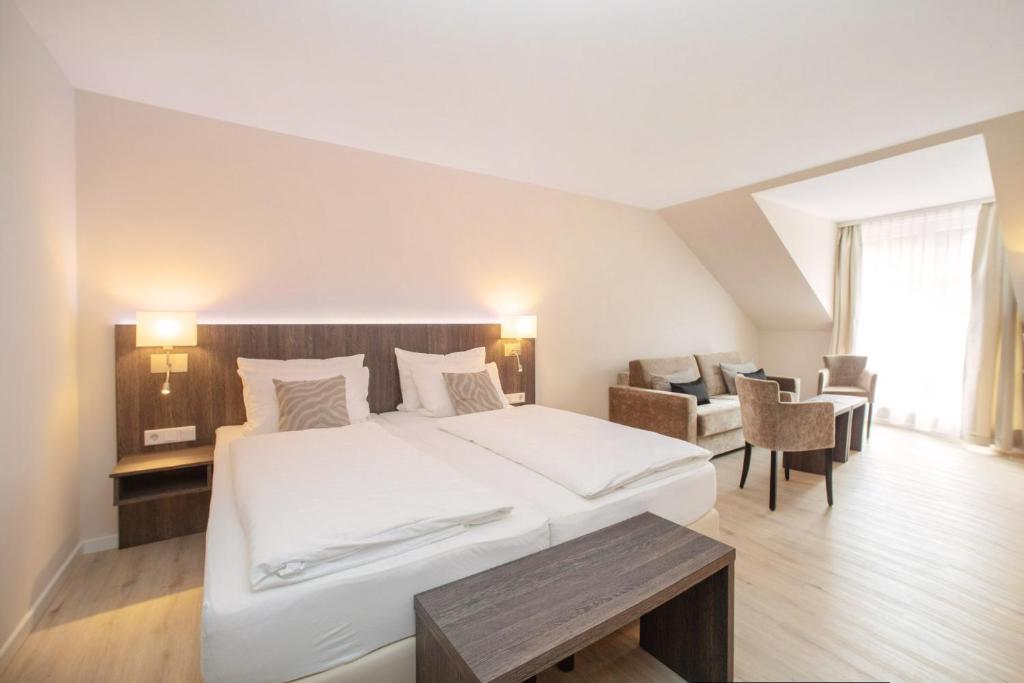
(166, 330)
(518, 327)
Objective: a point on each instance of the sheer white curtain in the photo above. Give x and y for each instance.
(993, 411)
(914, 313)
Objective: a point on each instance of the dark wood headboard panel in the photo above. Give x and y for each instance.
(209, 395)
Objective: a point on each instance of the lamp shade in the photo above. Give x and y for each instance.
(165, 329)
(519, 327)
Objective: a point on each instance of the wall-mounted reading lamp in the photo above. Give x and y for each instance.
(518, 327)
(166, 330)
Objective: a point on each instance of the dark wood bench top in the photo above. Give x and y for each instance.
(510, 622)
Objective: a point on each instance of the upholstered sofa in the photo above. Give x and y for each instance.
(715, 426)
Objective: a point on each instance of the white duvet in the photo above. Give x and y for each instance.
(588, 456)
(320, 501)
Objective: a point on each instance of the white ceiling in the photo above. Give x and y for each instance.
(645, 102)
(953, 172)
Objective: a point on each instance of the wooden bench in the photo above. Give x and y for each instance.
(516, 620)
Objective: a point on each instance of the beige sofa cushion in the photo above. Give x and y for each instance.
(640, 371)
(721, 415)
(708, 364)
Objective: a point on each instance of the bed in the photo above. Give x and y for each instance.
(285, 633)
(686, 498)
(358, 624)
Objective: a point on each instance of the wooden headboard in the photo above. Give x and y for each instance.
(209, 395)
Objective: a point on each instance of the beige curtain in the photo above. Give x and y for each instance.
(847, 289)
(992, 411)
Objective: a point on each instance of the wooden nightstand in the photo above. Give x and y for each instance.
(162, 495)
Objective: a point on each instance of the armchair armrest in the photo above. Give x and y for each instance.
(823, 377)
(622, 378)
(867, 381)
(790, 384)
(663, 412)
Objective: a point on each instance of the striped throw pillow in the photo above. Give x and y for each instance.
(311, 404)
(472, 392)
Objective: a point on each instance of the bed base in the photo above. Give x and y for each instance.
(396, 663)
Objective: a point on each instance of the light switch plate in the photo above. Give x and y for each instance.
(516, 398)
(159, 437)
(158, 362)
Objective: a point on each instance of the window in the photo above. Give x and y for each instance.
(914, 311)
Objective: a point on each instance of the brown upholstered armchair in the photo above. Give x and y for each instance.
(780, 426)
(848, 375)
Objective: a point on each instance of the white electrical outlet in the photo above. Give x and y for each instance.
(159, 437)
(516, 398)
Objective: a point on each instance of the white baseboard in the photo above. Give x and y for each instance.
(98, 544)
(28, 621)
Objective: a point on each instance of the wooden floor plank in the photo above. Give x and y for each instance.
(916, 574)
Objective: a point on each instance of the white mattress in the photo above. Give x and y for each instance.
(284, 633)
(682, 498)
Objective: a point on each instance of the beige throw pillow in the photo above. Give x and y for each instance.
(311, 404)
(730, 370)
(472, 392)
(664, 382)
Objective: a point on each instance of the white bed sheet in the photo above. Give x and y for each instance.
(683, 497)
(285, 633)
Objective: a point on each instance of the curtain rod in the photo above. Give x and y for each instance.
(979, 200)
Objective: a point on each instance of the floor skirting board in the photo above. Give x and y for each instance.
(98, 544)
(37, 609)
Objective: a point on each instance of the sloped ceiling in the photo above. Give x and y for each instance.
(952, 172)
(646, 102)
(735, 239)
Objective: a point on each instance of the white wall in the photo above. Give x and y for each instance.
(39, 459)
(811, 241)
(182, 212)
(794, 353)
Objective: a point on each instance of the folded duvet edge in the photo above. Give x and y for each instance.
(278, 572)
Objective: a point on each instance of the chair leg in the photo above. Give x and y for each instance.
(746, 464)
(786, 468)
(771, 496)
(871, 409)
(828, 476)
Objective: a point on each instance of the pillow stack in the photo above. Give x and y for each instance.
(262, 414)
(730, 370)
(432, 384)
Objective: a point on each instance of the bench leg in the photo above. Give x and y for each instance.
(692, 633)
(567, 664)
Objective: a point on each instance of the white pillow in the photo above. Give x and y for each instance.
(407, 360)
(339, 363)
(260, 397)
(433, 390)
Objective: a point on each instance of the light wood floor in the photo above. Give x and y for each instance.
(917, 574)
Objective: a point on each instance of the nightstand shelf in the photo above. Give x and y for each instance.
(162, 495)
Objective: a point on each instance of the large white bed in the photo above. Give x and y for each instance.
(684, 497)
(357, 624)
(288, 632)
